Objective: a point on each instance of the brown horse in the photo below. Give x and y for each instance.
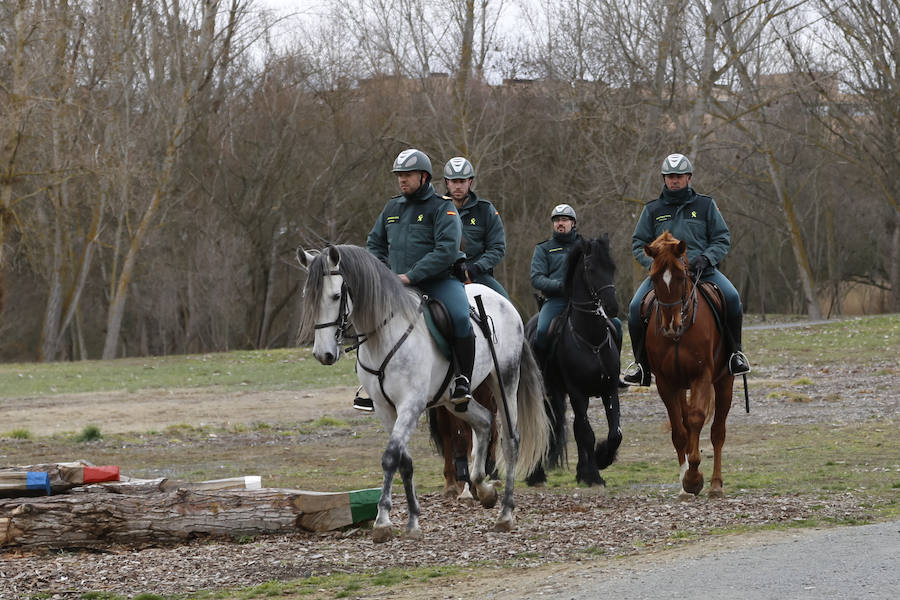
(452, 437)
(686, 352)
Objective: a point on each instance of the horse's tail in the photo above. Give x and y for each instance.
(437, 440)
(534, 426)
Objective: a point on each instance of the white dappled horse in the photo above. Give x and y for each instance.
(403, 370)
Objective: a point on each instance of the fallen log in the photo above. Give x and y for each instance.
(96, 520)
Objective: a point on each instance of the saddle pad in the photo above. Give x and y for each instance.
(708, 290)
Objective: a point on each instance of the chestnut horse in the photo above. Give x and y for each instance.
(686, 352)
(452, 437)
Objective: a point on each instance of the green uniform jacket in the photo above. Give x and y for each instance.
(418, 236)
(483, 235)
(696, 220)
(548, 263)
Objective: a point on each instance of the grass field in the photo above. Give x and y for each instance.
(816, 456)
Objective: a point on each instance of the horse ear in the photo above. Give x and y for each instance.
(334, 258)
(680, 249)
(304, 258)
(650, 251)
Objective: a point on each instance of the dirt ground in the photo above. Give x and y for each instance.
(842, 394)
(559, 530)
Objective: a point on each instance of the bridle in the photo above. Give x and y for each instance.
(688, 304)
(342, 323)
(593, 307)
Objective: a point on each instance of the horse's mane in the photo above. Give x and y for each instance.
(665, 253)
(375, 290)
(599, 247)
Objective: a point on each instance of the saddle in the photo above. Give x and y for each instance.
(440, 325)
(710, 292)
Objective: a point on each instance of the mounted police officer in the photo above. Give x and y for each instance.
(484, 241)
(696, 219)
(548, 274)
(418, 236)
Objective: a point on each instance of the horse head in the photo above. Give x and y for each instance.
(327, 303)
(669, 274)
(590, 277)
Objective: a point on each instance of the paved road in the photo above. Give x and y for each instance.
(845, 563)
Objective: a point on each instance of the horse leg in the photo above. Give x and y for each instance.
(479, 419)
(397, 457)
(674, 400)
(510, 444)
(586, 470)
(413, 531)
(486, 398)
(695, 418)
(724, 389)
(606, 449)
(443, 427)
(462, 445)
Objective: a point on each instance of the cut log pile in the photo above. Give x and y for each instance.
(94, 507)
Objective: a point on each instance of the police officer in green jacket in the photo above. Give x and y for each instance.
(484, 241)
(548, 272)
(418, 236)
(695, 219)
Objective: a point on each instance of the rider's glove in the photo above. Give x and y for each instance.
(473, 269)
(699, 264)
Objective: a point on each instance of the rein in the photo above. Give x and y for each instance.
(593, 307)
(342, 325)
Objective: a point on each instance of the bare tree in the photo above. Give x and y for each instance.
(194, 43)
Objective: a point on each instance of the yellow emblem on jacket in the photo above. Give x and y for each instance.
(419, 219)
(693, 214)
(472, 221)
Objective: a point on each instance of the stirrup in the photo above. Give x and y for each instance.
(461, 391)
(637, 377)
(362, 403)
(738, 364)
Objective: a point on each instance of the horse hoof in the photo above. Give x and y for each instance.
(488, 497)
(382, 534)
(686, 496)
(591, 481)
(450, 492)
(717, 493)
(505, 524)
(692, 484)
(466, 500)
(414, 534)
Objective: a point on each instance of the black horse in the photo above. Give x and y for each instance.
(584, 362)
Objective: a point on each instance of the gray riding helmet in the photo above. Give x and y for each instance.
(563, 210)
(677, 164)
(412, 160)
(459, 167)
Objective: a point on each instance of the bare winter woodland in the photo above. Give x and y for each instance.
(160, 160)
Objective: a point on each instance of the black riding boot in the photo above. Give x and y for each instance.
(464, 352)
(640, 375)
(737, 362)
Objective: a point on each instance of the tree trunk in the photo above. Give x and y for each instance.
(894, 268)
(101, 519)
